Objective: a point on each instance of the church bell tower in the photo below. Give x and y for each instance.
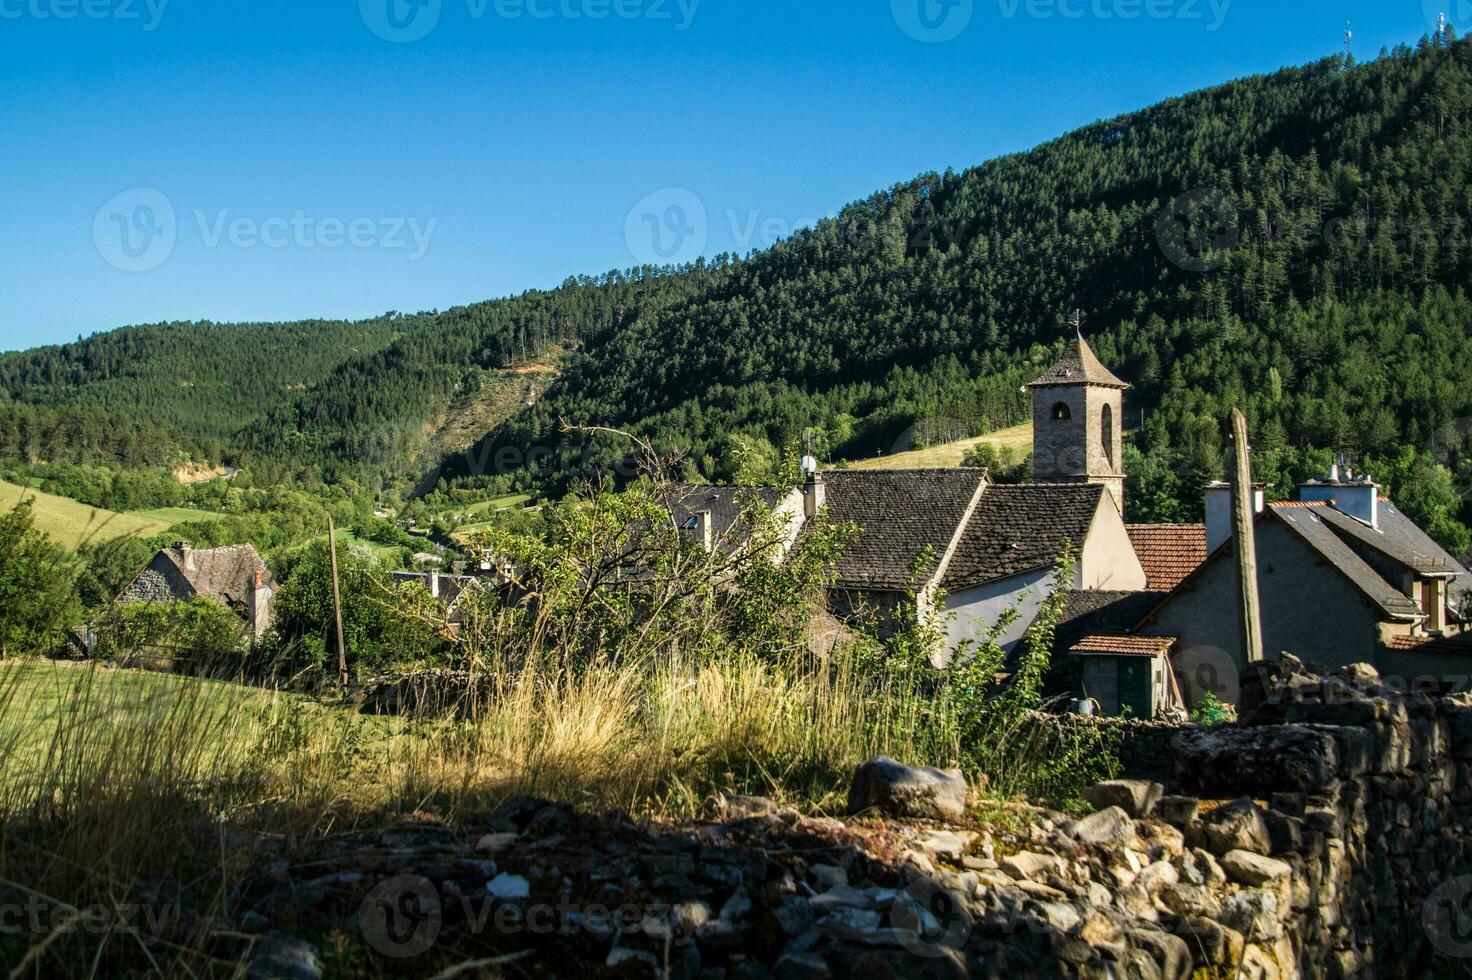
(1077, 422)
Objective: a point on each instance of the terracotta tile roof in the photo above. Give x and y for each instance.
(900, 514)
(1460, 644)
(1094, 611)
(1077, 366)
(1168, 552)
(1302, 503)
(1016, 529)
(1141, 646)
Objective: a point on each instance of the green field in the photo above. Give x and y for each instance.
(176, 515)
(489, 506)
(71, 524)
(1019, 438)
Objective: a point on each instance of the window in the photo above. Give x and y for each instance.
(1106, 432)
(1062, 413)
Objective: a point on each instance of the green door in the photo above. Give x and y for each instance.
(1134, 687)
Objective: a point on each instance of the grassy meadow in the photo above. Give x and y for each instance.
(1018, 438)
(71, 524)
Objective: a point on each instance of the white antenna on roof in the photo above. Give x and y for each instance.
(1441, 27)
(1348, 36)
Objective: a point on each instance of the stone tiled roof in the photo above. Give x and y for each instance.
(1168, 552)
(1309, 524)
(1016, 529)
(1078, 366)
(900, 514)
(1091, 611)
(1112, 643)
(725, 504)
(226, 575)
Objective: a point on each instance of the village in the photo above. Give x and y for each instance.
(1154, 622)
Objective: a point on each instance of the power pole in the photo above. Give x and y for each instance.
(1244, 516)
(342, 652)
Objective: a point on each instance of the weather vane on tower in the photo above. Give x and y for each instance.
(1078, 323)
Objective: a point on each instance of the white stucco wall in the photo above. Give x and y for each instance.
(1108, 560)
(975, 610)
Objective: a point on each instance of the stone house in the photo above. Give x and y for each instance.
(1344, 577)
(233, 577)
(954, 542)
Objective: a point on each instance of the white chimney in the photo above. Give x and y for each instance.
(434, 584)
(1358, 497)
(1219, 513)
(703, 530)
(186, 554)
(258, 605)
(814, 495)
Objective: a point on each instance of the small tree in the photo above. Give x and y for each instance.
(37, 585)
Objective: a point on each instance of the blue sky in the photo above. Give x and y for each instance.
(189, 159)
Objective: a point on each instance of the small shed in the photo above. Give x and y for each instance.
(1129, 674)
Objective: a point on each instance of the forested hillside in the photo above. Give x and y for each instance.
(149, 395)
(1292, 243)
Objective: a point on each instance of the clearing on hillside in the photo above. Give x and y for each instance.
(71, 524)
(1018, 438)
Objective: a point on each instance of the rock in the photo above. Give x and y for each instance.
(1187, 900)
(1259, 760)
(1252, 870)
(1253, 913)
(802, 966)
(794, 916)
(1177, 810)
(841, 896)
(516, 814)
(508, 887)
(1136, 797)
(1105, 827)
(276, 956)
(1027, 864)
(731, 806)
(1212, 943)
(1237, 826)
(849, 923)
(1170, 953)
(619, 956)
(1161, 874)
(494, 844)
(945, 845)
(1060, 916)
(828, 875)
(898, 790)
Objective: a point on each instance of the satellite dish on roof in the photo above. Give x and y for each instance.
(809, 464)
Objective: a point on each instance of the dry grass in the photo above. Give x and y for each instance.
(1018, 438)
(118, 788)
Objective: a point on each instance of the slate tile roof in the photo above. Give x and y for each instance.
(726, 505)
(1168, 552)
(1309, 524)
(1113, 643)
(1407, 534)
(226, 575)
(1393, 541)
(900, 514)
(1016, 529)
(1077, 366)
(1091, 611)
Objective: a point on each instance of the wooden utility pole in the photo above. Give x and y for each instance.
(342, 651)
(1244, 516)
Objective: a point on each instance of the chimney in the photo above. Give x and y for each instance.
(258, 605)
(704, 531)
(814, 494)
(1219, 512)
(434, 584)
(1356, 496)
(186, 555)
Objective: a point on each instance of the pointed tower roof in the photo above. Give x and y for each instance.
(1078, 366)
